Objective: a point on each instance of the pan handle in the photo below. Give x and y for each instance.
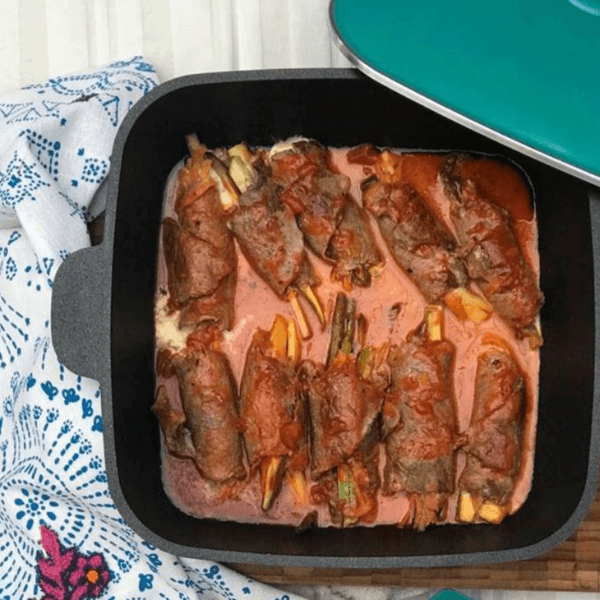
(80, 307)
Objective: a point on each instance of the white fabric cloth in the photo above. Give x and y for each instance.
(61, 537)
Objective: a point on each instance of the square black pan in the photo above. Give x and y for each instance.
(102, 318)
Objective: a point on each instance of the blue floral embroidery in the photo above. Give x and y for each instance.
(145, 581)
(153, 558)
(13, 332)
(11, 268)
(49, 389)
(94, 170)
(86, 408)
(8, 110)
(154, 562)
(70, 396)
(46, 151)
(212, 572)
(35, 504)
(144, 66)
(21, 180)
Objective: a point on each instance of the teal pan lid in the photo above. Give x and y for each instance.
(523, 72)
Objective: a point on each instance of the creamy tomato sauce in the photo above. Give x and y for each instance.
(393, 307)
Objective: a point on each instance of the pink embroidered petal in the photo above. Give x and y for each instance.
(51, 590)
(65, 561)
(53, 570)
(50, 542)
(95, 561)
(77, 575)
(47, 568)
(79, 592)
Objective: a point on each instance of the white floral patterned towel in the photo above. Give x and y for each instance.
(61, 537)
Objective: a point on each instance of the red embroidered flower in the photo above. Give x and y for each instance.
(89, 578)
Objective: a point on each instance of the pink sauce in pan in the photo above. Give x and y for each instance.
(256, 305)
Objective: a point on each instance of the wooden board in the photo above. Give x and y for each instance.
(574, 565)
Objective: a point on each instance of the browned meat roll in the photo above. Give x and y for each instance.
(269, 236)
(266, 229)
(416, 237)
(201, 277)
(493, 441)
(344, 405)
(335, 228)
(207, 429)
(418, 241)
(199, 250)
(493, 257)
(344, 409)
(273, 414)
(419, 422)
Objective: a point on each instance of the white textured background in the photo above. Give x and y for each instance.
(44, 38)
